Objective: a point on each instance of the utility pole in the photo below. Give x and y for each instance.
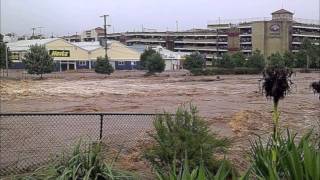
(7, 64)
(33, 29)
(40, 35)
(105, 32)
(177, 25)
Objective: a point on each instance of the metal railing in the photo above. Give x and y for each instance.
(29, 140)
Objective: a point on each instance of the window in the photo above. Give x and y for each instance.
(133, 63)
(82, 63)
(121, 63)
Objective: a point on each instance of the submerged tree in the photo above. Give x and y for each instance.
(316, 87)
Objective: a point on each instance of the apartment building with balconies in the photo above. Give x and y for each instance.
(280, 33)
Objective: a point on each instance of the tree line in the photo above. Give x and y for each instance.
(307, 57)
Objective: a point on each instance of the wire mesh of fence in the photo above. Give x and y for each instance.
(29, 140)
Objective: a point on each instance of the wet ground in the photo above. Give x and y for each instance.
(232, 104)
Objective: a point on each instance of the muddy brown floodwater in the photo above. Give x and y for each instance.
(233, 104)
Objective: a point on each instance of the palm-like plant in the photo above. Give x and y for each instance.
(276, 85)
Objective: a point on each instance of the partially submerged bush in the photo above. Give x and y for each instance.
(276, 83)
(316, 87)
(184, 133)
(84, 164)
(224, 71)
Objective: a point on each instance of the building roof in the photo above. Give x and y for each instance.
(24, 45)
(282, 11)
(118, 51)
(89, 46)
(165, 53)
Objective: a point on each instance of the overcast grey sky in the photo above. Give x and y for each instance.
(69, 16)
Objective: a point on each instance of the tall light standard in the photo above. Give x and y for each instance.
(105, 31)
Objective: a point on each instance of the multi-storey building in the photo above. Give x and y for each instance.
(280, 33)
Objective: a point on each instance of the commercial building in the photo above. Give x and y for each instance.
(280, 33)
(77, 55)
(173, 60)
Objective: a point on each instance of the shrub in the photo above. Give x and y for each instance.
(155, 64)
(256, 60)
(224, 62)
(143, 57)
(276, 61)
(194, 61)
(38, 61)
(181, 134)
(83, 164)
(316, 87)
(224, 71)
(284, 159)
(103, 66)
(238, 59)
(184, 172)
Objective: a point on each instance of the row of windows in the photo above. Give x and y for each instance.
(123, 62)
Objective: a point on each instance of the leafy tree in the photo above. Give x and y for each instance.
(103, 66)
(225, 62)
(194, 61)
(143, 57)
(256, 60)
(3, 48)
(310, 54)
(238, 59)
(184, 136)
(300, 60)
(38, 61)
(289, 59)
(155, 63)
(276, 60)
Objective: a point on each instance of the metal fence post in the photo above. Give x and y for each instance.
(101, 126)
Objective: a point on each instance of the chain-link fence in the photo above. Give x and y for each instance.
(29, 140)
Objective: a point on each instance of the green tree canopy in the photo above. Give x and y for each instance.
(308, 55)
(276, 60)
(256, 60)
(155, 63)
(289, 59)
(225, 61)
(143, 57)
(238, 59)
(103, 66)
(38, 61)
(3, 48)
(194, 61)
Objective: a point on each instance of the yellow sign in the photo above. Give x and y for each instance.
(14, 56)
(59, 53)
